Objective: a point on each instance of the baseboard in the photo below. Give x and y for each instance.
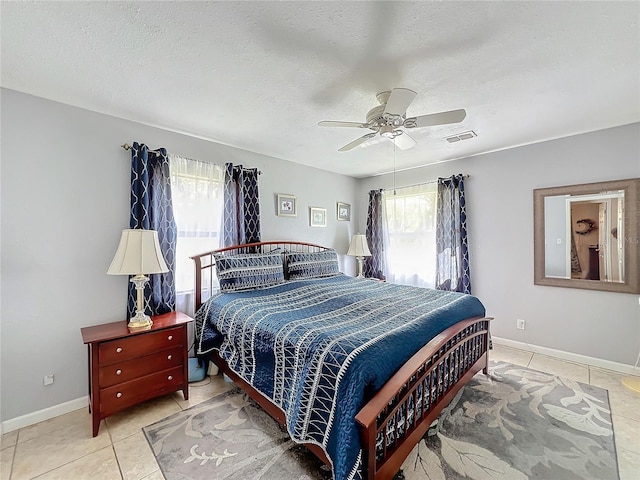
(45, 414)
(83, 402)
(570, 357)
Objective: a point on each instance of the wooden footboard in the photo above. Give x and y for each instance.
(399, 415)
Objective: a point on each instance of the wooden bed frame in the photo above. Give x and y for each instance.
(424, 385)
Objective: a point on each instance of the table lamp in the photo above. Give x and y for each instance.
(633, 383)
(359, 249)
(138, 253)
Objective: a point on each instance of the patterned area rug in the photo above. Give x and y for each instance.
(516, 424)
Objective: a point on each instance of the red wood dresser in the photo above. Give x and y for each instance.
(127, 367)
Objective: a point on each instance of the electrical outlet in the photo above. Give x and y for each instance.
(520, 324)
(47, 379)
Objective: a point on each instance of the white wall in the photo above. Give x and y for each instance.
(65, 199)
(604, 325)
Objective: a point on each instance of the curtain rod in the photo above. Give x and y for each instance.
(126, 146)
(419, 184)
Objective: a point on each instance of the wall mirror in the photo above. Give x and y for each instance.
(588, 236)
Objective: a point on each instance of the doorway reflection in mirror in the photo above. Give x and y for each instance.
(586, 236)
(579, 238)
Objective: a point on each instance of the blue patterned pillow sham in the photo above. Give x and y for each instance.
(248, 270)
(312, 265)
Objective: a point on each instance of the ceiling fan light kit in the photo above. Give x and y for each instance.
(388, 131)
(388, 119)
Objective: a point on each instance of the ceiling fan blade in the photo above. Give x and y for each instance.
(331, 123)
(442, 118)
(358, 141)
(399, 101)
(404, 141)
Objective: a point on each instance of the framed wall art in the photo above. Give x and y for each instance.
(317, 217)
(287, 205)
(344, 211)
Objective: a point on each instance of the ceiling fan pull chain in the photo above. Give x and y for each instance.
(394, 169)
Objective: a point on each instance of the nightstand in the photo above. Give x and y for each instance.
(127, 367)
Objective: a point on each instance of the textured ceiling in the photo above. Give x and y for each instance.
(260, 75)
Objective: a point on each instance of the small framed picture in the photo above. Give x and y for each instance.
(287, 205)
(317, 217)
(344, 211)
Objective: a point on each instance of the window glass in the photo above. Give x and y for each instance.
(197, 194)
(411, 235)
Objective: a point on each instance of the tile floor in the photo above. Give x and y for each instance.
(62, 448)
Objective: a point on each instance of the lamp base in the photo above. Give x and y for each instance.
(360, 260)
(632, 383)
(140, 321)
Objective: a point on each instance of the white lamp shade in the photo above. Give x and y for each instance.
(138, 252)
(359, 246)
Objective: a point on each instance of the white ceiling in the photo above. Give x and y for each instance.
(260, 75)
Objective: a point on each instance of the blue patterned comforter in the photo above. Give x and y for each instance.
(320, 348)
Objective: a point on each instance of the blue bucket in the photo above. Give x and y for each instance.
(196, 370)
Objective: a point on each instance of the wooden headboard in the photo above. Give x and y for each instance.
(205, 262)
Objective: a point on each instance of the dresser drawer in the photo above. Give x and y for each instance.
(117, 397)
(131, 347)
(139, 367)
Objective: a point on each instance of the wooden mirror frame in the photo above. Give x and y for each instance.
(631, 189)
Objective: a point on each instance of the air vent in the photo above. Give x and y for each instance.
(461, 136)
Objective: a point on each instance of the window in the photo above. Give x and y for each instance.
(197, 194)
(411, 235)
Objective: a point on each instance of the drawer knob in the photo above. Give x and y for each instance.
(119, 394)
(169, 357)
(119, 349)
(170, 337)
(170, 377)
(118, 372)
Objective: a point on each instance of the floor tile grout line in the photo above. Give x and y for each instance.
(628, 451)
(115, 454)
(13, 457)
(62, 465)
(624, 416)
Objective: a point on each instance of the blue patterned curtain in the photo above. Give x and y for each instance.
(452, 264)
(151, 209)
(241, 205)
(374, 265)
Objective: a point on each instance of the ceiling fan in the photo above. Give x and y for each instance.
(389, 118)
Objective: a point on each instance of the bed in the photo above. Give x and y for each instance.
(355, 369)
